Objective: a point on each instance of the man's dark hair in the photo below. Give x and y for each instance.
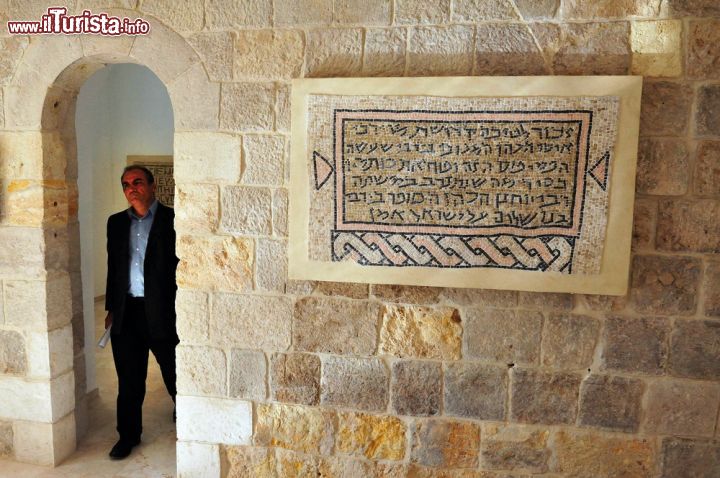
(148, 174)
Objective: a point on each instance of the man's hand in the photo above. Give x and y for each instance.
(108, 320)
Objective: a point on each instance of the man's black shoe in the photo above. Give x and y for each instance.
(122, 449)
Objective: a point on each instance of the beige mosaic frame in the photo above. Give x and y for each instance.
(323, 109)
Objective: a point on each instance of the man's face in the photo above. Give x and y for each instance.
(138, 192)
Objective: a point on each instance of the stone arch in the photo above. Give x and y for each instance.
(38, 148)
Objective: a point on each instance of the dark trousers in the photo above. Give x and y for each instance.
(130, 353)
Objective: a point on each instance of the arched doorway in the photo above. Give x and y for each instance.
(45, 402)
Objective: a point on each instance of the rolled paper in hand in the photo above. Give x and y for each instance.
(104, 339)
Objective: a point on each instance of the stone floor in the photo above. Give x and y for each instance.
(154, 457)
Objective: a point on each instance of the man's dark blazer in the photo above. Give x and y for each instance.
(160, 266)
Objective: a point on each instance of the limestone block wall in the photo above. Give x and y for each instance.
(287, 378)
(41, 359)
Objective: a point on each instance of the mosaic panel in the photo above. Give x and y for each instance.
(433, 182)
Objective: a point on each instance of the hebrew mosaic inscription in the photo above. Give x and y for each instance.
(443, 172)
(164, 181)
(507, 183)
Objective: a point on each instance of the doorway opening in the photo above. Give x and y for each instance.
(123, 116)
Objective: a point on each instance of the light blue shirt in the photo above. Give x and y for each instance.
(139, 232)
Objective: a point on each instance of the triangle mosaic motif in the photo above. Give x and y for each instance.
(599, 171)
(323, 169)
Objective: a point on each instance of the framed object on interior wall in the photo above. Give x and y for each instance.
(523, 183)
(162, 169)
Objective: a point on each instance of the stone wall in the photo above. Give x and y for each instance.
(286, 378)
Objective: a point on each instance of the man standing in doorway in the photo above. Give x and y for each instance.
(140, 299)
